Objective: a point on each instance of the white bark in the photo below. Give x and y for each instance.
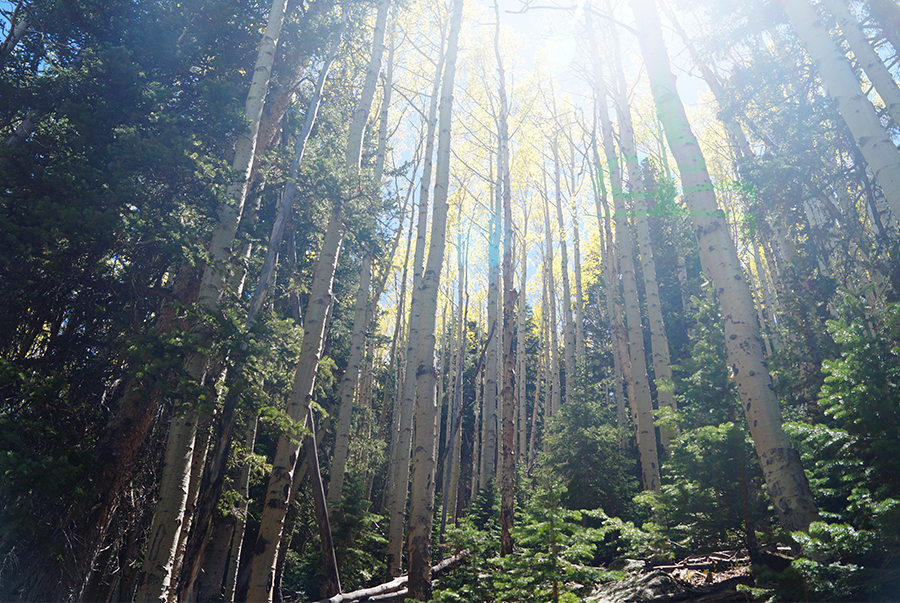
(787, 485)
(179, 448)
(422, 496)
(282, 477)
(347, 390)
(659, 341)
(858, 113)
(641, 406)
(869, 60)
(398, 469)
(156, 576)
(568, 321)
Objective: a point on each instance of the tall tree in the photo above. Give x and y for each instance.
(858, 113)
(422, 492)
(508, 393)
(641, 405)
(320, 298)
(175, 481)
(787, 484)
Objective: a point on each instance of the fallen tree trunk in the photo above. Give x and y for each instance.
(394, 585)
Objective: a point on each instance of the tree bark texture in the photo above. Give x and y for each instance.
(787, 484)
(422, 507)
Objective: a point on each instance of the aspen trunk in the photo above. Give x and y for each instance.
(398, 469)
(868, 59)
(508, 393)
(550, 304)
(580, 353)
(522, 377)
(163, 537)
(282, 477)
(568, 326)
(492, 364)
(198, 461)
(422, 493)
(329, 561)
(348, 385)
(787, 484)
(282, 216)
(451, 469)
(641, 406)
(858, 113)
(395, 360)
(237, 541)
(19, 26)
(156, 577)
(659, 341)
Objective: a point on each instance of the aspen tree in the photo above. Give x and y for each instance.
(578, 304)
(843, 86)
(641, 406)
(568, 326)
(492, 361)
(659, 341)
(451, 470)
(347, 390)
(553, 401)
(521, 381)
(241, 515)
(282, 477)
(398, 469)
(787, 485)
(422, 490)
(395, 360)
(174, 483)
(621, 363)
(508, 393)
(868, 59)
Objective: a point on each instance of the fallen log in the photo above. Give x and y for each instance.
(395, 584)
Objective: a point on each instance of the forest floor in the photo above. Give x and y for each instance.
(700, 578)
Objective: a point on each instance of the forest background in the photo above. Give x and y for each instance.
(299, 296)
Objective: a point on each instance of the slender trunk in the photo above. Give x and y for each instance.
(868, 59)
(580, 353)
(241, 515)
(618, 339)
(400, 455)
(422, 497)
(164, 532)
(521, 360)
(173, 492)
(858, 113)
(641, 406)
(395, 361)
(550, 304)
(348, 385)
(19, 26)
(451, 470)
(282, 477)
(659, 341)
(197, 463)
(568, 326)
(492, 364)
(787, 484)
(508, 393)
(329, 561)
(286, 203)
(476, 434)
